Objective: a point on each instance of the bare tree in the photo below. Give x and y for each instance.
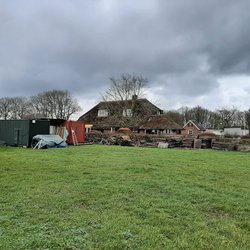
(198, 114)
(20, 107)
(215, 120)
(125, 87)
(219, 119)
(239, 119)
(227, 116)
(175, 116)
(55, 104)
(186, 116)
(124, 91)
(247, 119)
(123, 101)
(39, 105)
(201, 115)
(14, 107)
(5, 108)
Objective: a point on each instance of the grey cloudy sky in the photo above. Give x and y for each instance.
(194, 52)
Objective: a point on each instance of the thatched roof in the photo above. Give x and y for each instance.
(196, 124)
(160, 122)
(141, 102)
(141, 109)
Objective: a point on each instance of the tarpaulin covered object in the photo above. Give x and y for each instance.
(48, 141)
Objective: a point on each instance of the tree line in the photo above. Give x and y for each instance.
(60, 104)
(129, 85)
(218, 119)
(56, 104)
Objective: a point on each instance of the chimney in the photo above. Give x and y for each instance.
(134, 97)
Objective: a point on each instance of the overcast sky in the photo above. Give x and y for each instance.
(193, 52)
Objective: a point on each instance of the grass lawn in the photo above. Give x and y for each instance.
(111, 197)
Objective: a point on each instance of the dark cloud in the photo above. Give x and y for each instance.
(185, 46)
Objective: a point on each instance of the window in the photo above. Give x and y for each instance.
(103, 112)
(190, 132)
(127, 112)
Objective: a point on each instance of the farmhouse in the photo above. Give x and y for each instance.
(112, 115)
(160, 124)
(192, 128)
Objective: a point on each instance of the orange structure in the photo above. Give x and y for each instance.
(78, 128)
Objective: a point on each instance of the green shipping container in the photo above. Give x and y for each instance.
(21, 132)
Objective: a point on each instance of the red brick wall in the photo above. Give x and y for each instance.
(190, 127)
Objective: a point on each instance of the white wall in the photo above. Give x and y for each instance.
(236, 131)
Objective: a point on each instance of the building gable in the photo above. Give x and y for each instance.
(192, 128)
(195, 124)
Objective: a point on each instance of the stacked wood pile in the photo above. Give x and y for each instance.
(187, 143)
(206, 143)
(149, 145)
(244, 144)
(197, 143)
(96, 137)
(158, 139)
(117, 140)
(223, 145)
(154, 141)
(174, 142)
(243, 147)
(230, 144)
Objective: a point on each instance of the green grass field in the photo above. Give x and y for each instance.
(111, 197)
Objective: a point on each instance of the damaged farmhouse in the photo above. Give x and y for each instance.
(136, 114)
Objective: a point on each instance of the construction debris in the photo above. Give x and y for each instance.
(122, 140)
(170, 141)
(242, 147)
(187, 143)
(223, 146)
(174, 143)
(162, 145)
(197, 143)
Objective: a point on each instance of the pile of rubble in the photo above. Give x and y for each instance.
(122, 140)
(224, 146)
(153, 141)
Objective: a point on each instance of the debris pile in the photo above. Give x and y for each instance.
(206, 143)
(223, 146)
(122, 140)
(243, 147)
(197, 143)
(187, 143)
(174, 142)
(167, 141)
